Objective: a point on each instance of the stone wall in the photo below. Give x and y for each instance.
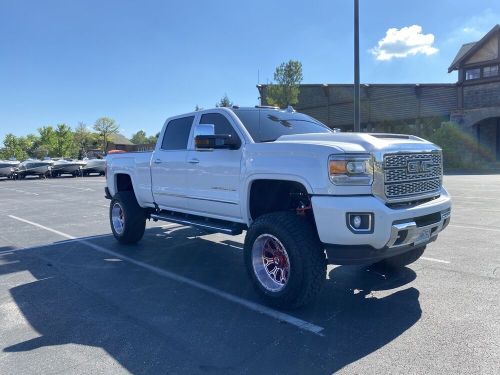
(482, 95)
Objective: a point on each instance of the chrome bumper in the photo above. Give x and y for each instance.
(407, 233)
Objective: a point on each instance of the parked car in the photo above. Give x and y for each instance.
(306, 195)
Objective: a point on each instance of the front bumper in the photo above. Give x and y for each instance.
(395, 230)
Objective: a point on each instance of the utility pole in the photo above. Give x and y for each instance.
(357, 126)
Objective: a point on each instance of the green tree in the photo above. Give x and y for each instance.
(152, 139)
(224, 102)
(139, 138)
(30, 143)
(18, 147)
(46, 146)
(286, 90)
(64, 141)
(83, 140)
(106, 127)
(13, 148)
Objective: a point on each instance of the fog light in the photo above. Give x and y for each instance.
(356, 221)
(360, 222)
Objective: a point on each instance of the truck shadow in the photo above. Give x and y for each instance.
(361, 309)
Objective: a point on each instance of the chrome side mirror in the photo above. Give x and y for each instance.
(204, 129)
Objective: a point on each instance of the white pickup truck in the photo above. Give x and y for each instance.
(305, 195)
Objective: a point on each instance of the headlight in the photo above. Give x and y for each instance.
(351, 169)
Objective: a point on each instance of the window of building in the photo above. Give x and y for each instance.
(472, 74)
(490, 71)
(221, 125)
(177, 134)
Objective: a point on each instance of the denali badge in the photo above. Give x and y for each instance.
(419, 166)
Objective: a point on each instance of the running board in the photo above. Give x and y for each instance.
(211, 225)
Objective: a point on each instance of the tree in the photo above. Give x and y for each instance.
(46, 146)
(224, 102)
(64, 141)
(139, 138)
(106, 127)
(30, 144)
(18, 147)
(83, 140)
(13, 148)
(153, 138)
(286, 90)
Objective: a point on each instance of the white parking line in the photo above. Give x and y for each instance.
(64, 242)
(435, 260)
(299, 323)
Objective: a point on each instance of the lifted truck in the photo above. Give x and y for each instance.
(307, 196)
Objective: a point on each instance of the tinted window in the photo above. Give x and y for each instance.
(221, 125)
(269, 125)
(490, 71)
(177, 134)
(472, 74)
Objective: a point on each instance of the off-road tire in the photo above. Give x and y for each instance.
(305, 253)
(401, 260)
(134, 218)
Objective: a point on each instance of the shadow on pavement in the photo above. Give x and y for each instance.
(139, 331)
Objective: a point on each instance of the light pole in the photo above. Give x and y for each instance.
(357, 126)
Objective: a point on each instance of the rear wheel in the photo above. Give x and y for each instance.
(401, 260)
(127, 218)
(285, 259)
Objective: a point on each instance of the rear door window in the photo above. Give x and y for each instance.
(177, 134)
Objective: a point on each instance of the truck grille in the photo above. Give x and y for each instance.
(412, 174)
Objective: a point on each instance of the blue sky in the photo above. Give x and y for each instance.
(140, 62)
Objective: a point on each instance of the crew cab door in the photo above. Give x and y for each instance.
(169, 167)
(214, 174)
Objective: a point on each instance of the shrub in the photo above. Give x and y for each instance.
(460, 149)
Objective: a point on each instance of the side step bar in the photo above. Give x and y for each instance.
(210, 225)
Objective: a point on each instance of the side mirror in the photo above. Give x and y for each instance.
(218, 141)
(204, 129)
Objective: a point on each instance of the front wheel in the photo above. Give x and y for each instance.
(285, 259)
(127, 218)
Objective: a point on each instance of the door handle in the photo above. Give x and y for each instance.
(157, 161)
(194, 161)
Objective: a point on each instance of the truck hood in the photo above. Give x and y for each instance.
(362, 142)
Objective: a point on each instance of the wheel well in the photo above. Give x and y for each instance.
(123, 182)
(268, 196)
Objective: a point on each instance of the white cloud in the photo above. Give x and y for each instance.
(404, 42)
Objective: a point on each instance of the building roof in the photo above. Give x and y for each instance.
(469, 49)
(120, 139)
(461, 52)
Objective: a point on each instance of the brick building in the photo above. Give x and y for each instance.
(473, 102)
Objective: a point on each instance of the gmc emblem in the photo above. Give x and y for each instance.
(419, 166)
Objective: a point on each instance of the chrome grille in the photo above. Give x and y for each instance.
(412, 174)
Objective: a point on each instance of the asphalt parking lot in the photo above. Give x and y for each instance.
(74, 301)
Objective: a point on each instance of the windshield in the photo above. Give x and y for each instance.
(268, 125)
